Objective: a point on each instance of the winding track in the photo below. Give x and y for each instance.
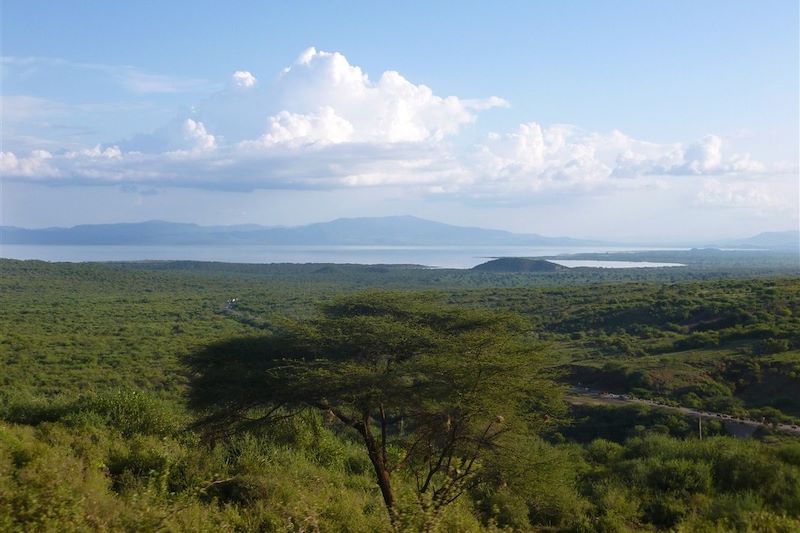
(578, 395)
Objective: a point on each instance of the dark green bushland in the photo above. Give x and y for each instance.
(96, 432)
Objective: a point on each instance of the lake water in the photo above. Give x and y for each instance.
(573, 263)
(433, 256)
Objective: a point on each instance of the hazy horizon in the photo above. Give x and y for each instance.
(595, 241)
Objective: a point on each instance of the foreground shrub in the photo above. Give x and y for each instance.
(130, 411)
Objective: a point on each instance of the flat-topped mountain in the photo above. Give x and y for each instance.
(370, 231)
(518, 264)
(390, 231)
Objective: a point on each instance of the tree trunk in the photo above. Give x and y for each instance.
(382, 474)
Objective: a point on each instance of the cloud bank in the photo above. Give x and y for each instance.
(323, 123)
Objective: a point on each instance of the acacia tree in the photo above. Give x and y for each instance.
(431, 389)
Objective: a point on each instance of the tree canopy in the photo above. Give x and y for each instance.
(432, 390)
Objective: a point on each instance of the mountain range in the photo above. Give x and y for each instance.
(389, 231)
(393, 231)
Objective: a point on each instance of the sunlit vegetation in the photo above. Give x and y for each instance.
(121, 407)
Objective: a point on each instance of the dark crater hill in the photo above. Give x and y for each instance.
(518, 264)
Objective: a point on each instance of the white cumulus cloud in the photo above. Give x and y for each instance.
(325, 123)
(324, 127)
(391, 109)
(195, 134)
(109, 152)
(716, 193)
(243, 79)
(37, 165)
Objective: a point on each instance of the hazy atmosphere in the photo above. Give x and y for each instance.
(669, 121)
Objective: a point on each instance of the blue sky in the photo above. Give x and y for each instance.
(620, 119)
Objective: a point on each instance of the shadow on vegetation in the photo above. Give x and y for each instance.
(228, 378)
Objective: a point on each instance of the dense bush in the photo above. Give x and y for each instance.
(94, 436)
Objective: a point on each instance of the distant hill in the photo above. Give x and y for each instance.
(376, 231)
(518, 264)
(771, 239)
(394, 230)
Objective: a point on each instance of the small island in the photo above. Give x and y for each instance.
(518, 264)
